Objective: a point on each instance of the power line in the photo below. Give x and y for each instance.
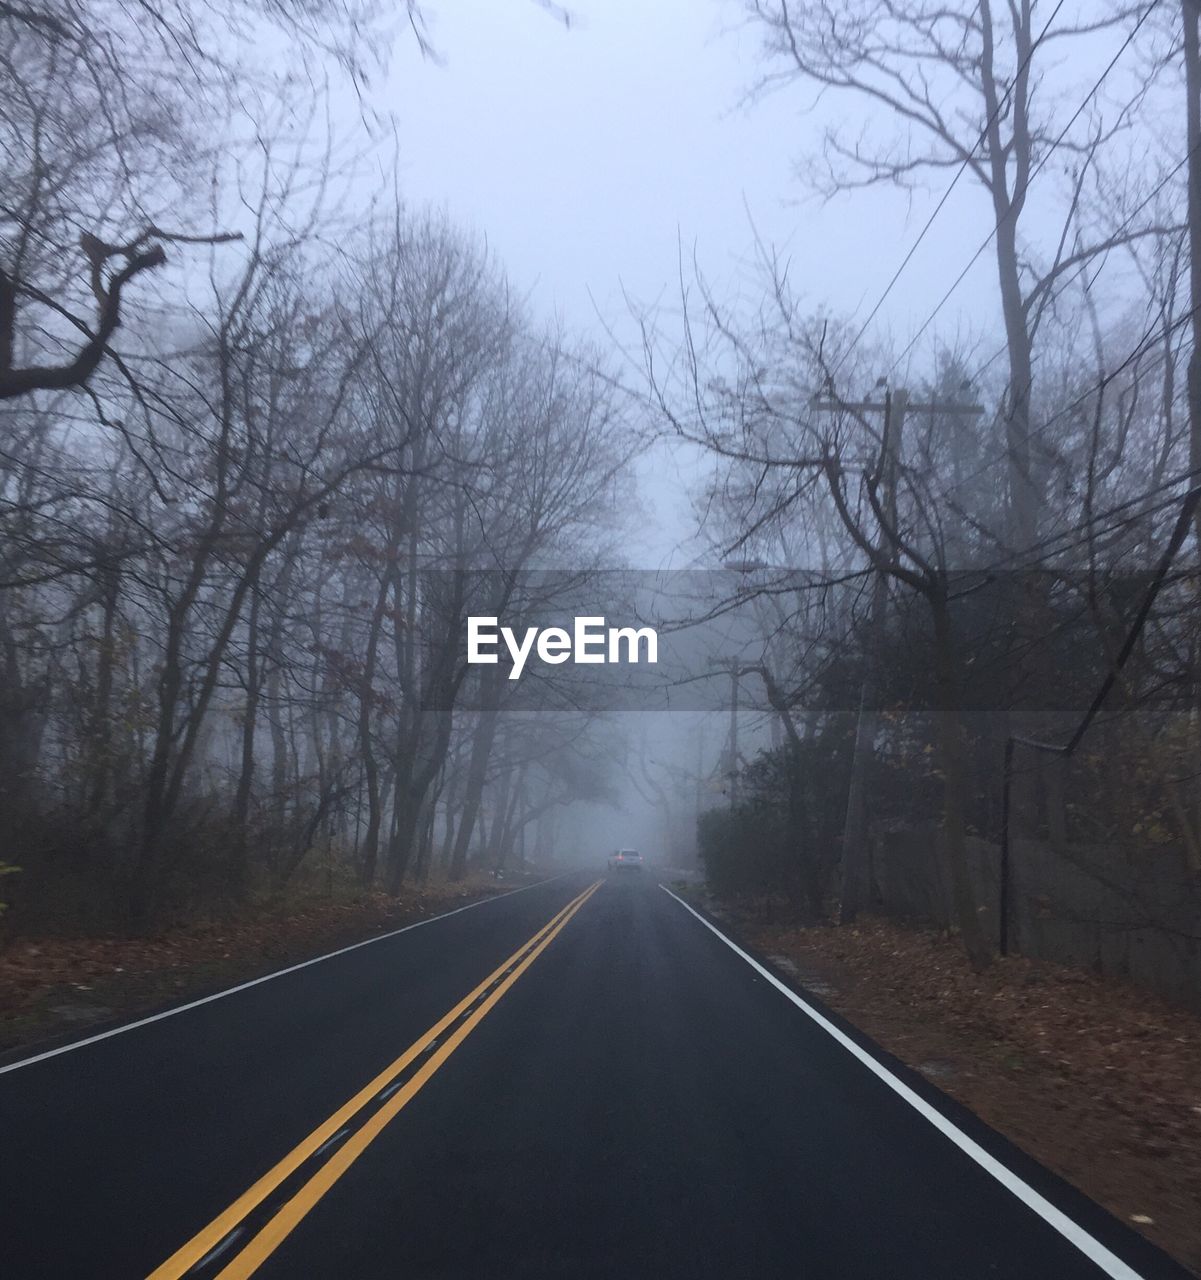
(988, 124)
(1140, 348)
(1042, 544)
(1034, 174)
(1151, 337)
(1125, 225)
(1047, 542)
(1191, 475)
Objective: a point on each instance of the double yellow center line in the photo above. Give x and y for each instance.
(227, 1228)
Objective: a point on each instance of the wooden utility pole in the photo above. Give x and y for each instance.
(732, 665)
(1190, 11)
(855, 854)
(1191, 14)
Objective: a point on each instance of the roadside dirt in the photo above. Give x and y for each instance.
(1098, 1081)
(53, 986)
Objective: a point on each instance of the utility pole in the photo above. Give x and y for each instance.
(733, 735)
(1191, 14)
(700, 772)
(731, 665)
(895, 405)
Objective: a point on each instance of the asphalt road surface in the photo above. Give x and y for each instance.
(577, 1079)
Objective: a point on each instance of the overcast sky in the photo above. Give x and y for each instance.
(583, 153)
(587, 155)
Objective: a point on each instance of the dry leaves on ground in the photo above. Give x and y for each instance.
(49, 985)
(1099, 1081)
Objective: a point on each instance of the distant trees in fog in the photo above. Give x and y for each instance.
(241, 530)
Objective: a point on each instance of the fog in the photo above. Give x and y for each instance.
(599, 600)
(516, 311)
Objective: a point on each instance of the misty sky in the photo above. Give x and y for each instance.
(588, 156)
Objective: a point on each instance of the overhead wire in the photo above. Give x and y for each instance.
(1033, 174)
(1152, 336)
(946, 195)
(1124, 227)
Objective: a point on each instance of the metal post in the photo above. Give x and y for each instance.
(733, 735)
(1004, 873)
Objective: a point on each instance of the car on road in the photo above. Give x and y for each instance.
(625, 860)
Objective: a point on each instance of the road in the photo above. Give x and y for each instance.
(578, 1079)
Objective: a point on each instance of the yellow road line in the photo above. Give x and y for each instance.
(210, 1236)
(289, 1216)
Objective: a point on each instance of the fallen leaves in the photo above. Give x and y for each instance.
(52, 982)
(1064, 1063)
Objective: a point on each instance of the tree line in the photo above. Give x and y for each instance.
(266, 444)
(944, 544)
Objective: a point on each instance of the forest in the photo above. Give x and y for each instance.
(600, 638)
(242, 532)
(271, 437)
(971, 557)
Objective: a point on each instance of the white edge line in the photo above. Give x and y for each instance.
(267, 977)
(1071, 1231)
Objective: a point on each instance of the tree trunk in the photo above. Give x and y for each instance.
(101, 740)
(963, 896)
(856, 854)
(369, 854)
(477, 773)
(855, 857)
(451, 808)
(511, 826)
(249, 725)
(1192, 82)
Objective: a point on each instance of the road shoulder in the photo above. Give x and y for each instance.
(1081, 1110)
(54, 991)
